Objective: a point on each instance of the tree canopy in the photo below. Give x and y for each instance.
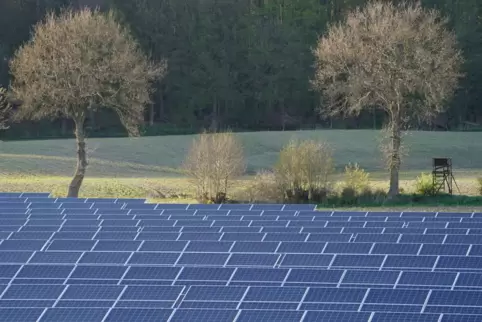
(78, 62)
(399, 58)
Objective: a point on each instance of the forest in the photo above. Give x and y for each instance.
(245, 65)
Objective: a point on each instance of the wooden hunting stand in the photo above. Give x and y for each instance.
(442, 176)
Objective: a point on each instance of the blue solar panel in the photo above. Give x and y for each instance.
(92, 292)
(445, 249)
(317, 316)
(152, 293)
(459, 262)
(309, 260)
(397, 296)
(203, 259)
(55, 257)
(203, 315)
(391, 248)
(74, 314)
(134, 315)
(71, 245)
(206, 273)
(421, 262)
(19, 245)
(33, 292)
(215, 293)
(151, 258)
(455, 298)
(20, 314)
(45, 271)
(427, 278)
(347, 248)
(260, 274)
(314, 276)
(335, 295)
(152, 273)
(374, 261)
(253, 260)
(105, 258)
(150, 263)
(404, 317)
(99, 272)
(255, 247)
(301, 247)
(270, 315)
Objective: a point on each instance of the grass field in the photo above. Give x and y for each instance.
(149, 166)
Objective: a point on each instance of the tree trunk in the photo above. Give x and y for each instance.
(151, 114)
(394, 166)
(78, 178)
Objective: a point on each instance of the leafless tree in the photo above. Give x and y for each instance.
(81, 61)
(399, 58)
(213, 162)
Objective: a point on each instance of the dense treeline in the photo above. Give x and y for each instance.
(242, 64)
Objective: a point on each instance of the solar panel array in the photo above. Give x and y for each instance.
(126, 260)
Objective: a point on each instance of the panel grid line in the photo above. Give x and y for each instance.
(60, 296)
(302, 299)
(426, 301)
(435, 264)
(398, 279)
(363, 300)
(115, 303)
(455, 281)
(243, 297)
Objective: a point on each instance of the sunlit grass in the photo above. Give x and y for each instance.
(148, 167)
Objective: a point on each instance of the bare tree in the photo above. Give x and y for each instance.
(399, 58)
(213, 162)
(77, 62)
(5, 109)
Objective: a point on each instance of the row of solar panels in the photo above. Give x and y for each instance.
(216, 315)
(130, 232)
(347, 221)
(471, 239)
(13, 274)
(111, 209)
(229, 223)
(241, 247)
(244, 297)
(287, 260)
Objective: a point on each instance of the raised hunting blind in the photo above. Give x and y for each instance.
(442, 175)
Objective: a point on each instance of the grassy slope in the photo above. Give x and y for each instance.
(135, 165)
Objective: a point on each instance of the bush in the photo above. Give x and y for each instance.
(424, 185)
(356, 178)
(348, 196)
(303, 170)
(264, 188)
(479, 186)
(213, 162)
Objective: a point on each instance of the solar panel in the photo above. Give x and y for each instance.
(74, 314)
(127, 260)
(21, 314)
(202, 315)
(134, 315)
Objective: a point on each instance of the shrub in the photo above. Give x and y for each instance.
(348, 196)
(264, 188)
(424, 185)
(213, 162)
(356, 178)
(303, 170)
(479, 186)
